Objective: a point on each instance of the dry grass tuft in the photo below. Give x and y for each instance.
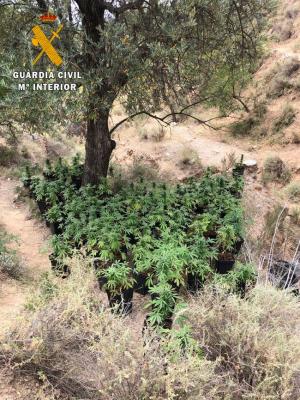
(283, 78)
(84, 351)
(251, 124)
(275, 170)
(295, 138)
(292, 11)
(293, 191)
(285, 119)
(156, 133)
(228, 161)
(10, 263)
(8, 156)
(256, 341)
(295, 215)
(188, 158)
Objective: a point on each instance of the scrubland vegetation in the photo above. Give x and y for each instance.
(221, 346)
(10, 264)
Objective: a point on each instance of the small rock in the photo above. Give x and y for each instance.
(258, 187)
(251, 165)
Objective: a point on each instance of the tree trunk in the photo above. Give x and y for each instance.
(98, 147)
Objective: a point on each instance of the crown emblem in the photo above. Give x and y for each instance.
(48, 17)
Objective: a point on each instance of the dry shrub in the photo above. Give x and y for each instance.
(295, 215)
(11, 266)
(8, 156)
(249, 347)
(76, 129)
(10, 263)
(278, 86)
(189, 157)
(275, 170)
(293, 191)
(142, 170)
(228, 161)
(292, 11)
(295, 138)
(275, 219)
(256, 341)
(84, 351)
(155, 133)
(283, 30)
(143, 133)
(290, 68)
(285, 119)
(250, 125)
(282, 78)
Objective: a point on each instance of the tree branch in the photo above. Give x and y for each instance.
(163, 119)
(239, 99)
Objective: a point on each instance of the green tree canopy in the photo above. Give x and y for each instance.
(151, 54)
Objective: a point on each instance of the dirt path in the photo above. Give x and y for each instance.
(31, 236)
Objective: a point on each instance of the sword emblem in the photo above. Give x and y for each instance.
(40, 39)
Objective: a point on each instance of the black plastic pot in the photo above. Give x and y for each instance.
(241, 288)
(193, 283)
(49, 176)
(210, 234)
(199, 210)
(238, 170)
(31, 193)
(42, 205)
(140, 285)
(61, 270)
(27, 183)
(238, 246)
(101, 281)
(224, 266)
(76, 181)
(55, 228)
(122, 303)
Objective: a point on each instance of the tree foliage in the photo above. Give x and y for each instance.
(151, 55)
